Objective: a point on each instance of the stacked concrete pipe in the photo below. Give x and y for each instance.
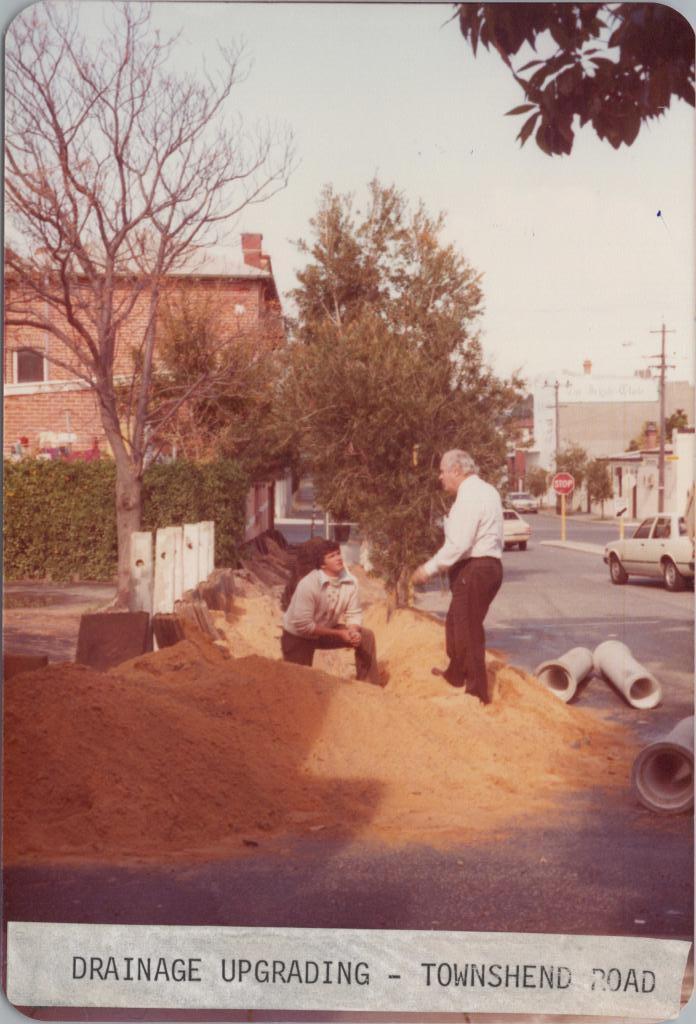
(663, 773)
(616, 663)
(563, 675)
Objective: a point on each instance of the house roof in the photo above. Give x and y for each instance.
(635, 456)
(224, 263)
(221, 262)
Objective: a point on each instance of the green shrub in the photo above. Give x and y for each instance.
(60, 520)
(190, 492)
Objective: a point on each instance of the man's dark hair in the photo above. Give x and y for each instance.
(322, 550)
(308, 556)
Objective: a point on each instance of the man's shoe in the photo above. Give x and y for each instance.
(442, 674)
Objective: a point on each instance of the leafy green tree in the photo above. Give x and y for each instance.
(573, 459)
(215, 383)
(676, 421)
(599, 484)
(387, 372)
(537, 481)
(614, 66)
(636, 444)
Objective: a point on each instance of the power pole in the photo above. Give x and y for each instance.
(556, 385)
(662, 366)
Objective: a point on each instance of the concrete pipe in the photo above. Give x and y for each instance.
(562, 675)
(616, 663)
(663, 773)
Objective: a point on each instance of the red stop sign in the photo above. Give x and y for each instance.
(563, 483)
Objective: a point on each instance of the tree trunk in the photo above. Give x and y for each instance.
(129, 486)
(129, 490)
(399, 594)
(403, 589)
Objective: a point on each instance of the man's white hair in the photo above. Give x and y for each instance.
(461, 460)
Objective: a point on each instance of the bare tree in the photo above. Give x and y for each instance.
(118, 173)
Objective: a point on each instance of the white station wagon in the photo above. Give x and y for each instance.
(659, 547)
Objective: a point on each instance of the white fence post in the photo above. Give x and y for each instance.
(165, 570)
(178, 536)
(206, 564)
(191, 555)
(141, 572)
(184, 557)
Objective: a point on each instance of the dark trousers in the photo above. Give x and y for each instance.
(474, 582)
(300, 650)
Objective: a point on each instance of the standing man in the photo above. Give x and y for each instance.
(472, 553)
(324, 612)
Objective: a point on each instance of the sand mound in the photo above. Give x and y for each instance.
(191, 753)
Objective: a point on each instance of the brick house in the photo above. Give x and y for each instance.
(49, 410)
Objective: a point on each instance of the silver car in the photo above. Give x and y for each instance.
(521, 501)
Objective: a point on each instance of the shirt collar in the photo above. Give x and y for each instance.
(343, 577)
(465, 481)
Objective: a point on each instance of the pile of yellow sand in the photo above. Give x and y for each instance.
(190, 753)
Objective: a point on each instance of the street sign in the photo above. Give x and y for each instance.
(563, 483)
(620, 507)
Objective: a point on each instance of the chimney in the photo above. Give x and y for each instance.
(587, 366)
(651, 435)
(251, 251)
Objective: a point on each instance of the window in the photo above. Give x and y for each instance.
(662, 528)
(644, 529)
(30, 366)
(682, 527)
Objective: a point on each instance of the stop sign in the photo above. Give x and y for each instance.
(563, 483)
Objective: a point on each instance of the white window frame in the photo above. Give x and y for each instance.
(15, 367)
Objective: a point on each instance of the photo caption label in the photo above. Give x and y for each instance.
(326, 969)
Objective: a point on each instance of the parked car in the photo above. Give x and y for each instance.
(515, 530)
(521, 501)
(659, 547)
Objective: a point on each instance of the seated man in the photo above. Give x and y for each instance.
(324, 612)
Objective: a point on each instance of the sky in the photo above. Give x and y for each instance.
(576, 263)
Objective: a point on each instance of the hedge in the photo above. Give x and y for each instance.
(60, 520)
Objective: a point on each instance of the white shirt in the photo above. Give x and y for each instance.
(473, 528)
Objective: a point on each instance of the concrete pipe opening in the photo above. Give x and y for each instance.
(644, 692)
(663, 777)
(561, 676)
(557, 679)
